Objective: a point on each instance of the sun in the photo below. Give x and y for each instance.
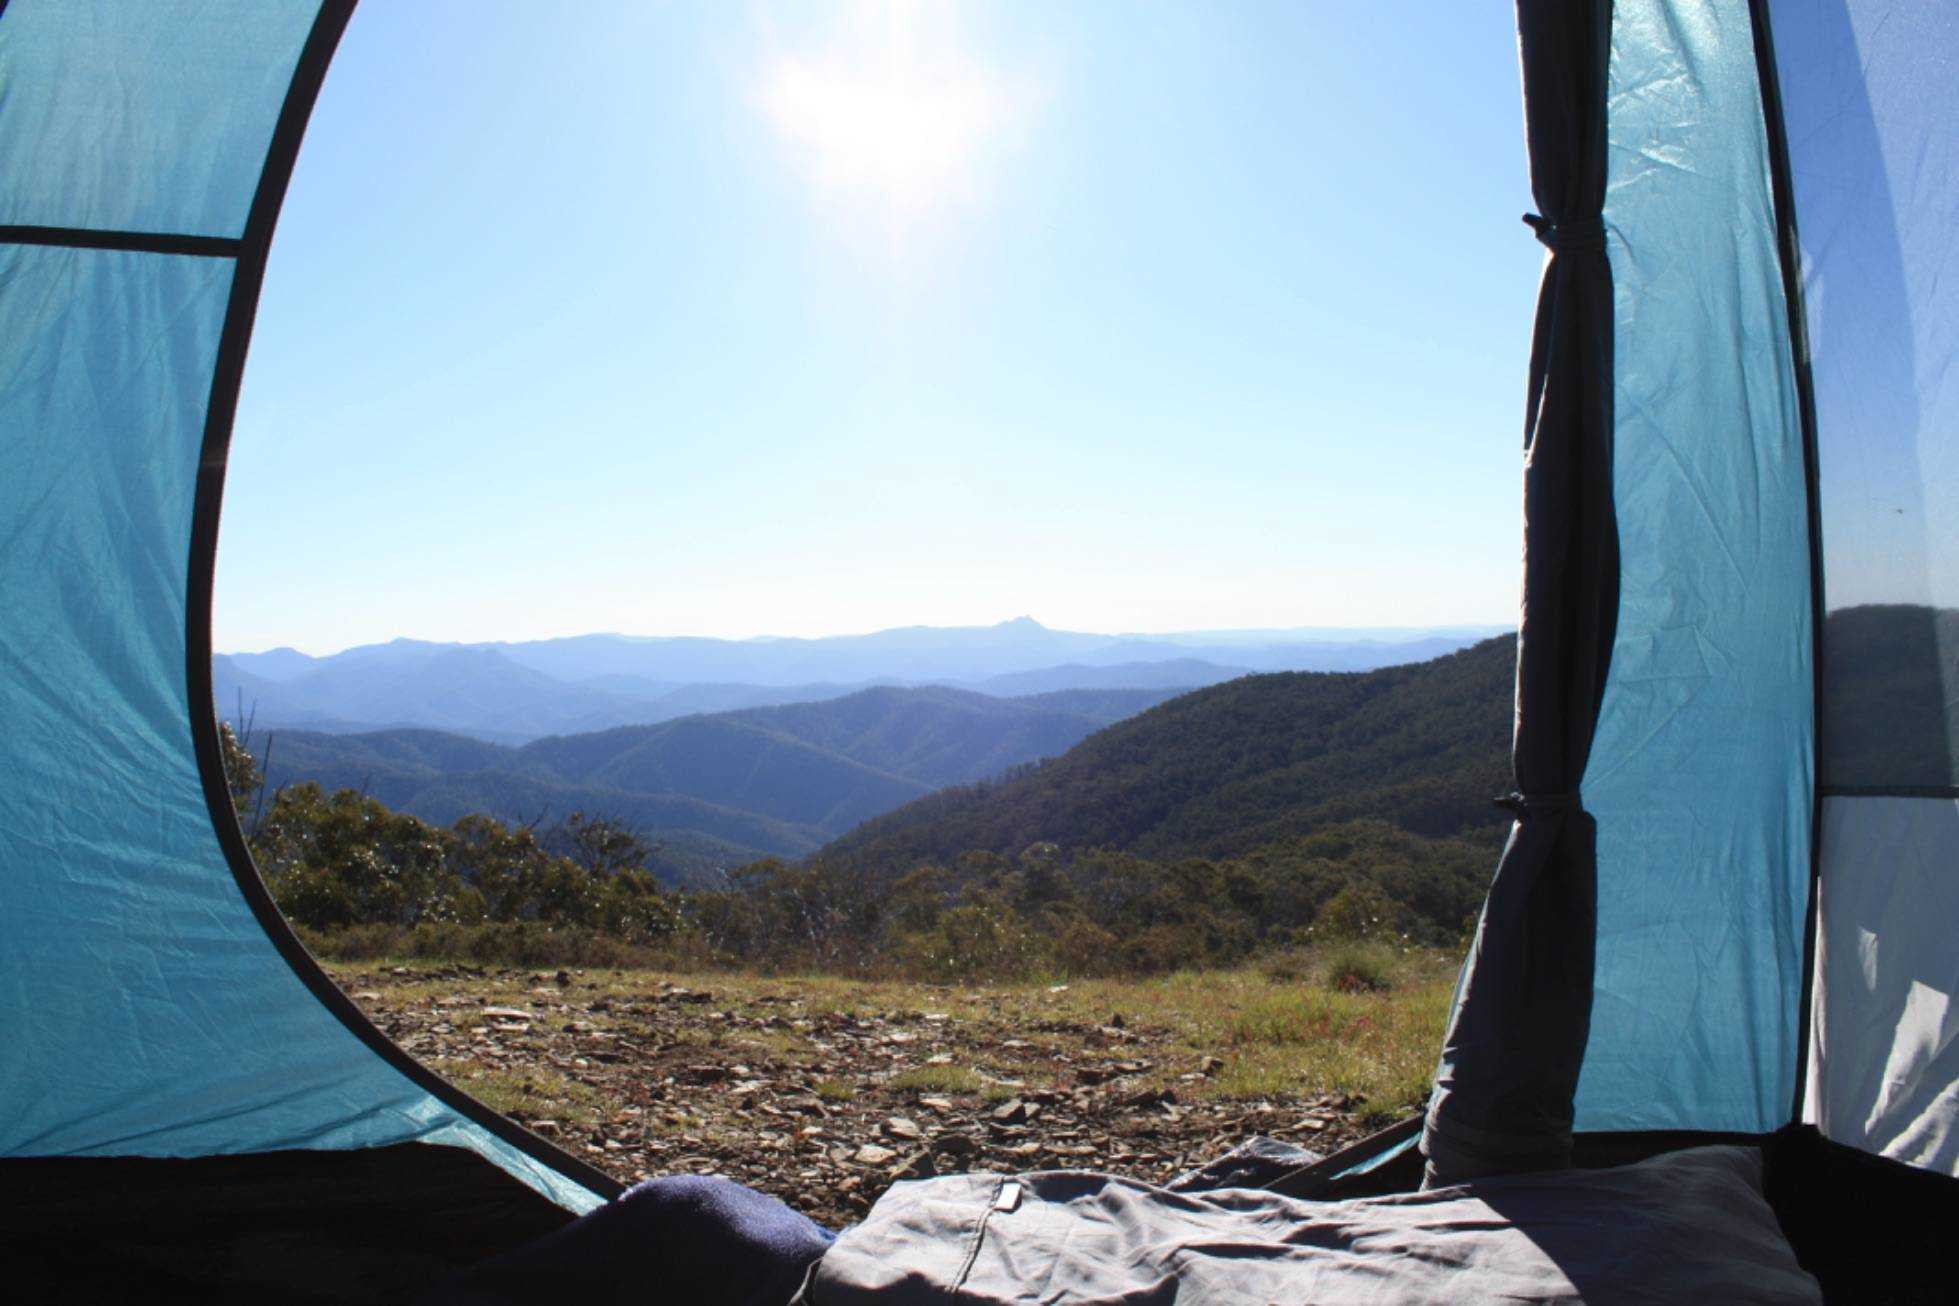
(887, 116)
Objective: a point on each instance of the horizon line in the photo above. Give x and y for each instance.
(1320, 632)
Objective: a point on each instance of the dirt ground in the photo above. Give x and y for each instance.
(825, 1092)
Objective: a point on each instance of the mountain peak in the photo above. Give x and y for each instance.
(1021, 623)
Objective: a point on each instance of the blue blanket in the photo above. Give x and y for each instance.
(682, 1239)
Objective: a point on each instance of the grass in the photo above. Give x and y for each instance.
(936, 1079)
(1300, 1035)
(529, 1093)
(1377, 1044)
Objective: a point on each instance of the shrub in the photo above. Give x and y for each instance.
(1358, 911)
(1359, 968)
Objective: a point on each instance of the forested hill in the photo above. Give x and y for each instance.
(713, 790)
(1242, 765)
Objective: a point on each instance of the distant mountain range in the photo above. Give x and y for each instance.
(516, 692)
(1239, 767)
(714, 790)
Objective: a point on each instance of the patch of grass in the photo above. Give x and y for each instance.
(936, 1079)
(834, 1090)
(770, 1042)
(1359, 968)
(1289, 966)
(1378, 1047)
(530, 1092)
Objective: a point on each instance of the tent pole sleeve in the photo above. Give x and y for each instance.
(1504, 1091)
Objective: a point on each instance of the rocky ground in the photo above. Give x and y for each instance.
(825, 1092)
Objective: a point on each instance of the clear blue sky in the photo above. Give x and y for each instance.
(736, 319)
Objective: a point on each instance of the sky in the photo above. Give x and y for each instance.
(766, 319)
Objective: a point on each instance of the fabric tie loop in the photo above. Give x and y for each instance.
(1572, 233)
(1523, 805)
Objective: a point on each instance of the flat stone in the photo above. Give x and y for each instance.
(916, 1166)
(872, 1154)
(901, 1127)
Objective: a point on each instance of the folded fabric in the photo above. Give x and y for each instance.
(681, 1239)
(1258, 1162)
(1686, 1226)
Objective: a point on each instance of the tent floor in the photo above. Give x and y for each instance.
(310, 1228)
(320, 1228)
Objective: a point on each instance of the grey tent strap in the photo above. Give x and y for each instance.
(1573, 233)
(1525, 804)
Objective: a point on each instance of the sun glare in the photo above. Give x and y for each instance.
(891, 115)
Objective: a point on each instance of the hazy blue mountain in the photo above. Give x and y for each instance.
(275, 664)
(394, 756)
(1173, 673)
(942, 736)
(468, 690)
(690, 699)
(960, 654)
(731, 762)
(630, 686)
(232, 685)
(519, 691)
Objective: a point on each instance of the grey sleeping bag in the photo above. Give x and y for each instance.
(1689, 1226)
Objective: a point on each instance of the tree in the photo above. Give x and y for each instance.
(604, 846)
(241, 773)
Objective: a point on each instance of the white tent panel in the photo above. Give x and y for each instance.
(1884, 1069)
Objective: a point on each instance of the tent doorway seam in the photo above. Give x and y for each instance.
(1789, 255)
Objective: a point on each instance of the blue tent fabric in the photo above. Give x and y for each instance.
(141, 117)
(1702, 771)
(150, 1011)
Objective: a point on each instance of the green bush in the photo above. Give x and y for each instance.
(1359, 911)
(1354, 967)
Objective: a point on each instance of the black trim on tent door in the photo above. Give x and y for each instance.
(1790, 250)
(135, 242)
(223, 407)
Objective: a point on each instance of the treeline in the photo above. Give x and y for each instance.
(359, 877)
(1049, 910)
